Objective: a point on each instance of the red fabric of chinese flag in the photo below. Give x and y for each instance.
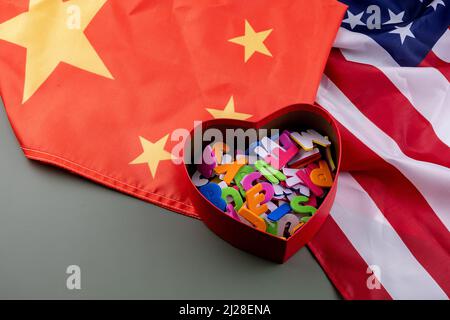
(98, 86)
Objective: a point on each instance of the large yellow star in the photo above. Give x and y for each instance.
(228, 112)
(253, 41)
(52, 31)
(153, 153)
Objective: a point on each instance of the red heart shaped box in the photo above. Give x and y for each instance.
(295, 117)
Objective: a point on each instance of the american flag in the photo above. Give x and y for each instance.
(387, 84)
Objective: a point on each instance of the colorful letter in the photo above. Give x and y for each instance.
(296, 205)
(233, 193)
(253, 218)
(322, 176)
(209, 162)
(230, 170)
(269, 172)
(306, 139)
(213, 193)
(280, 212)
(255, 200)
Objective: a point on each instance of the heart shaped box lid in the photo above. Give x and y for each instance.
(295, 117)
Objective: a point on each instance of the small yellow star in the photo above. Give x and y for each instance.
(153, 153)
(228, 112)
(253, 41)
(52, 31)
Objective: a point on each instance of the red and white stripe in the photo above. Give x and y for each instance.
(392, 209)
(426, 89)
(442, 48)
(439, 56)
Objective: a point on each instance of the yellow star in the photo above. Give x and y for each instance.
(228, 112)
(153, 153)
(52, 31)
(253, 41)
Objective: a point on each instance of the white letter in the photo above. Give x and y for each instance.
(182, 136)
(74, 280)
(74, 18)
(373, 282)
(373, 21)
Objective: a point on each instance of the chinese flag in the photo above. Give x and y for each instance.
(98, 86)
